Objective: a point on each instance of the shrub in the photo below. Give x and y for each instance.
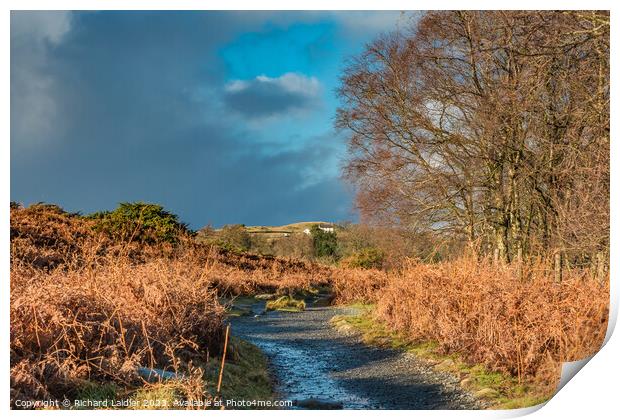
(235, 237)
(45, 236)
(325, 243)
(365, 258)
(297, 245)
(140, 222)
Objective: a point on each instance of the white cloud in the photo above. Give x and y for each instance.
(290, 82)
(266, 96)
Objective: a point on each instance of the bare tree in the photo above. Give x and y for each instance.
(492, 126)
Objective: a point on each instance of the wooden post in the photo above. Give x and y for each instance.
(219, 381)
(558, 267)
(496, 256)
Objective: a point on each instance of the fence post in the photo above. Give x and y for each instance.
(496, 256)
(219, 381)
(520, 262)
(558, 267)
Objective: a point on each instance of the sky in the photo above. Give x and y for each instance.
(221, 117)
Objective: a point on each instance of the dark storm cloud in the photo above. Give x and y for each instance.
(119, 106)
(265, 96)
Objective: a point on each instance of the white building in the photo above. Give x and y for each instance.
(329, 229)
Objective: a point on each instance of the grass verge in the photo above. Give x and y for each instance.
(498, 390)
(245, 377)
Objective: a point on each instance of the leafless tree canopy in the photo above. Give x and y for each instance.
(492, 126)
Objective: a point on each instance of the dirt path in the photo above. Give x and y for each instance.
(311, 360)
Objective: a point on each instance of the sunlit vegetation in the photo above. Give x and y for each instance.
(89, 310)
(285, 303)
(479, 148)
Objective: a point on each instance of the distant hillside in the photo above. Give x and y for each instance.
(290, 228)
(272, 232)
(269, 233)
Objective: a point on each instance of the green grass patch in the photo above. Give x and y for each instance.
(97, 392)
(160, 396)
(96, 395)
(499, 390)
(245, 374)
(285, 303)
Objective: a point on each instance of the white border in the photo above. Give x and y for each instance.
(304, 5)
(594, 391)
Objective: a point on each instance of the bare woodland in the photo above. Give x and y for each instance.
(491, 127)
